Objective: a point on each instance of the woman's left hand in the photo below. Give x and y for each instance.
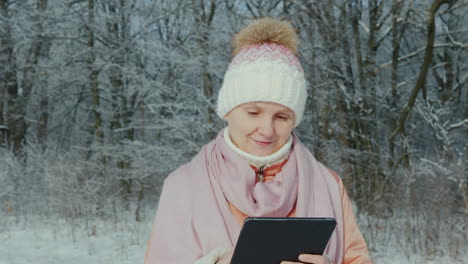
(308, 258)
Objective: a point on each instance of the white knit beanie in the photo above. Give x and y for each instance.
(264, 68)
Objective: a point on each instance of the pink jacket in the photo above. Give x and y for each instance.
(194, 214)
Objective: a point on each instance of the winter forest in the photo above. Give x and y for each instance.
(101, 99)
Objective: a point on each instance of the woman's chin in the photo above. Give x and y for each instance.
(260, 152)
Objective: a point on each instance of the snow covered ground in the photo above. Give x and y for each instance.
(40, 240)
(59, 242)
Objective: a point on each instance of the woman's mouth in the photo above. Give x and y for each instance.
(263, 143)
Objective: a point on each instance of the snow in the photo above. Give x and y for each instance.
(41, 240)
(45, 242)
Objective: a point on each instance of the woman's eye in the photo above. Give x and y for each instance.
(253, 113)
(283, 117)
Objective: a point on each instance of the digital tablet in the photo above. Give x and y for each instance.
(272, 240)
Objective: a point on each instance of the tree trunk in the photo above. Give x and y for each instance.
(396, 7)
(93, 77)
(204, 14)
(30, 77)
(14, 119)
(139, 201)
(3, 125)
(43, 120)
(421, 81)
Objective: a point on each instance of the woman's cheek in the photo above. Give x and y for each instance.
(248, 125)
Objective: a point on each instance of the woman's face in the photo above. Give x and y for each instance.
(260, 128)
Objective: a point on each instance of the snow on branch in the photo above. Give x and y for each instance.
(416, 52)
(457, 125)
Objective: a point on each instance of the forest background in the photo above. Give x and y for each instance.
(101, 99)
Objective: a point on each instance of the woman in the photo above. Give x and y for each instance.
(256, 166)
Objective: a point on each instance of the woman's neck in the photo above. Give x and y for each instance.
(263, 161)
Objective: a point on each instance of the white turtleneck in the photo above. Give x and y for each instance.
(257, 161)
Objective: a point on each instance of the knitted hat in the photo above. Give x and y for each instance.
(264, 68)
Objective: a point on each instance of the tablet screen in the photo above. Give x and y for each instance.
(272, 240)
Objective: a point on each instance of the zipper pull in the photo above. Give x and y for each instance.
(260, 174)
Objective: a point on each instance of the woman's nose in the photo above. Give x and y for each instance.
(265, 127)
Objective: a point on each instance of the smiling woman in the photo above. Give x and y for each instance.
(260, 128)
(256, 167)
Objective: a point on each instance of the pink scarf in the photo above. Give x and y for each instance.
(194, 217)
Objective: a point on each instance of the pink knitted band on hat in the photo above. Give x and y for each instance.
(266, 51)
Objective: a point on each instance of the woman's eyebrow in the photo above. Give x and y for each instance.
(283, 113)
(251, 107)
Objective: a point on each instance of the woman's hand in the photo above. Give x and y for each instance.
(304, 258)
(225, 259)
(308, 258)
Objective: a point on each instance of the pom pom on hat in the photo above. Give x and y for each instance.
(266, 30)
(264, 68)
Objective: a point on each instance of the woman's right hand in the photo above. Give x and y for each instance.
(309, 258)
(225, 259)
(305, 258)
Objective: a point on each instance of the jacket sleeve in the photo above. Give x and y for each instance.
(173, 238)
(355, 246)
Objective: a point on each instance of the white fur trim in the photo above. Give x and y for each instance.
(213, 256)
(257, 161)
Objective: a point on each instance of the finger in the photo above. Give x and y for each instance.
(315, 259)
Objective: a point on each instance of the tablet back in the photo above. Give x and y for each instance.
(272, 240)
